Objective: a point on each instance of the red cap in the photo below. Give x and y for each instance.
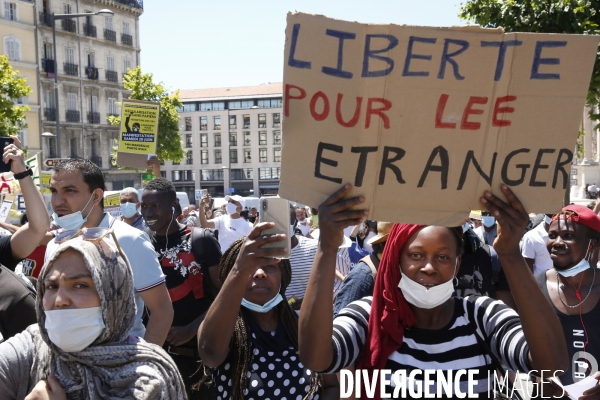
(585, 216)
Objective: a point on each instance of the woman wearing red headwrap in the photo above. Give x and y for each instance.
(411, 323)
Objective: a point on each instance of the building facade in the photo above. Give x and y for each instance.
(93, 53)
(18, 34)
(233, 141)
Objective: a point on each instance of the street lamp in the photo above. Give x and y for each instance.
(56, 17)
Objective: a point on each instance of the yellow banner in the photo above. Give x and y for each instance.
(45, 182)
(139, 127)
(112, 200)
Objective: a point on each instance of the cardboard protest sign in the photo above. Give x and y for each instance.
(139, 132)
(423, 120)
(112, 204)
(45, 177)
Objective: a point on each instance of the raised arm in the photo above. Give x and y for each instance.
(215, 332)
(29, 236)
(541, 327)
(315, 327)
(204, 223)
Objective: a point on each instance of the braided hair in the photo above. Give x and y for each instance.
(240, 347)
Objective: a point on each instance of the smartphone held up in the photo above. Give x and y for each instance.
(277, 210)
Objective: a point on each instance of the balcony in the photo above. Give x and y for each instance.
(48, 65)
(89, 30)
(110, 35)
(72, 116)
(45, 19)
(93, 117)
(69, 25)
(127, 39)
(112, 76)
(91, 73)
(96, 160)
(50, 114)
(132, 3)
(71, 69)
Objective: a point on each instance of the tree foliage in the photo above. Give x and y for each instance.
(143, 88)
(12, 87)
(542, 16)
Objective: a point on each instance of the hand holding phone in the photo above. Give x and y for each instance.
(11, 151)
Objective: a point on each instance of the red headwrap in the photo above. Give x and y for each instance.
(390, 312)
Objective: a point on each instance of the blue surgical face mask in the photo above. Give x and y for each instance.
(466, 226)
(128, 209)
(578, 268)
(74, 220)
(488, 221)
(265, 308)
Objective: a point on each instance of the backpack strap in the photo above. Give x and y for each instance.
(367, 260)
(199, 236)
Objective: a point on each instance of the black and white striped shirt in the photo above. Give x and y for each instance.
(453, 347)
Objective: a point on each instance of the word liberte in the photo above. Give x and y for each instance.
(444, 382)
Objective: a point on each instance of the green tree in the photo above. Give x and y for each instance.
(12, 116)
(143, 88)
(542, 16)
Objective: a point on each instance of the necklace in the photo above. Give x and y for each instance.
(577, 291)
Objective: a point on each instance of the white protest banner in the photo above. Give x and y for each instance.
(34, 163)
(423, 120)
(7, 203)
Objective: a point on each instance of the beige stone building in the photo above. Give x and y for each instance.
(18, 34)
(233, 141)
(93, 53)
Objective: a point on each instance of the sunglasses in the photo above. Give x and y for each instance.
(90, 235)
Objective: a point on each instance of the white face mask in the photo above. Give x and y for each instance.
(74, 329)
(128, 209)
(366, 244)
(231, 208)
(419, 296)
(74, 220)
(577, 268)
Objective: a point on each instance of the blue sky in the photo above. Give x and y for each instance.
(190, 44)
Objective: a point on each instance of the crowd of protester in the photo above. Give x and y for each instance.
(166, 302)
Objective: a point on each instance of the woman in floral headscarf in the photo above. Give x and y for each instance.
(80, 348)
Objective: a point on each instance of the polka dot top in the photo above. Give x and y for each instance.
(274, 375)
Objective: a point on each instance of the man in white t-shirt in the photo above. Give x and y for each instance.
(533, 247)
(302, 222)
(231, 226)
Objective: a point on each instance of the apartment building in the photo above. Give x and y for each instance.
(93, 53)
(18, 33)
(232, 138)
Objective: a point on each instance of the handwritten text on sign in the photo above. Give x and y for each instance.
(423, 120)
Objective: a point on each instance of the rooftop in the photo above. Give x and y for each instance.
(265, 89)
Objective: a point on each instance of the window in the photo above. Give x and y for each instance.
(189, 175)
(247, 139)
(276, 120)
(277, 154)
(189, 107)
(218, 157)
(67, 8)
(110, 63)
(126, 27)
(246, 121)
(176, 163)
(71, 101)
(204, 140)
(163, 174)
(241, 104)
(276, 137)
(233, 139)
(94, 147)
(94, 104)
(211, 175)
(176, 176)
(112, 106)
(188, 140)
(232, 122)
(52, 146)
(10, 11)
(262, 138)
(70, 55)
(203, 123)
(189, 160)
(233, 156)
(241, 174)
(217, 139)
(49, 99)
(126, 65)
(73, 147)
(268, 173)
(217, 122)
(262, 120)
(108, 23)
(12, 48)
(262, 155)
(48, 51)
(247, 156)
(204, 157)
(269, 103)
(212, 106)
(188, 123)
(91, 60)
